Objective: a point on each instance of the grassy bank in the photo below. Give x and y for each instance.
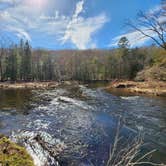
(157, 88)
(12, 154)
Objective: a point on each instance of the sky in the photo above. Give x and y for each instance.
(72, 24)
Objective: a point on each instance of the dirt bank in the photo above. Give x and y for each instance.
(157, 88)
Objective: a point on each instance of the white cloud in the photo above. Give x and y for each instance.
(79, 30)
(155, 9)
(14, 24)
(21, 33)
(25, 21)
(135, 38)
(79, 8)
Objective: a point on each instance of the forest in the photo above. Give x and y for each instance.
(20, 62)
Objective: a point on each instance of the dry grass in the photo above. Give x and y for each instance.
(130, 154)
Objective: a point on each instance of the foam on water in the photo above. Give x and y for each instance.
(130, 97)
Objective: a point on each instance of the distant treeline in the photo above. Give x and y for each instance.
(21, 63)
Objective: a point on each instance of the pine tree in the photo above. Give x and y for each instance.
(27, 62)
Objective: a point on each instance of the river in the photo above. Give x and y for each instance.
(75, 125)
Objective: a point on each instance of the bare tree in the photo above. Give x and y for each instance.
(130, 154)
(152, 25)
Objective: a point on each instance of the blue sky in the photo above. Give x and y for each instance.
(72, 24)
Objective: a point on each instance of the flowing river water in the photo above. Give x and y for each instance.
(75, 125)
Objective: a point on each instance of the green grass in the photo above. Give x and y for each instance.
(12, 154)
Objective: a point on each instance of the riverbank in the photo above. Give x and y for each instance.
(13, 154)
(157, 88)
(35, 85)
(28, 85)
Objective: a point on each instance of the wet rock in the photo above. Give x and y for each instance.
(124, 85)
(121, 86)
(78, 103)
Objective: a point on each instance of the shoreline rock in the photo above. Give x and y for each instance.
(156, 88)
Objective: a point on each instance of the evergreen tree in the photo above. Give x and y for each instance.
(123, 42)
(22, 62)
(27, 68)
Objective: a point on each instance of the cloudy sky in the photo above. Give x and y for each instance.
(72, 24)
